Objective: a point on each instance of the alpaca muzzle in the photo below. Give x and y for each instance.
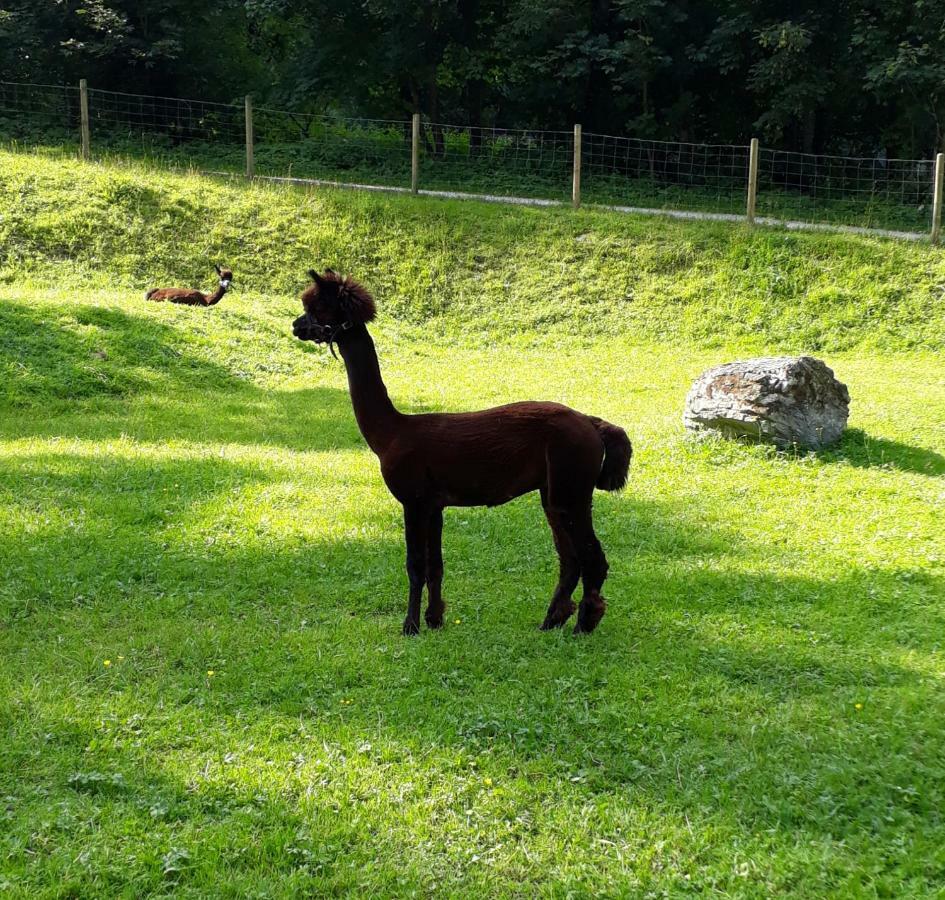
(306, 330)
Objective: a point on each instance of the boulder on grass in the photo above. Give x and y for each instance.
(782, 400)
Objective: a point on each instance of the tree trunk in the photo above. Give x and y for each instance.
(439, 143)
(810, 130)
(474, 106)
(472, 36)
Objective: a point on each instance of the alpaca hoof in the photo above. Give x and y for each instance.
(411, 628)
(434, 616)
(558, 615)
(590, 612)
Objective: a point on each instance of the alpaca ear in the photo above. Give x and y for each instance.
(215, 266)
(330, 272)
(315, 276)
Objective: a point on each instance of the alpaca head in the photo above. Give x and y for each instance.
(226, 277)
(333, 304)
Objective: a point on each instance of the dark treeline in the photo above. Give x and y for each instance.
(847, 77)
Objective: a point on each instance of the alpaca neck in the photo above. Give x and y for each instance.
(216, 296)
(373, 409)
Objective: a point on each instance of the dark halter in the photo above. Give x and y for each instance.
(328, 334)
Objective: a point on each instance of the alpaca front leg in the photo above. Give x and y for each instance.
(416, 528)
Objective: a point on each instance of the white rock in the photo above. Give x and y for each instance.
(783, 400)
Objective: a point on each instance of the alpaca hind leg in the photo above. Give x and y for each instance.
(569, 570)
(435, 604)
(593, 572)
(416, 526)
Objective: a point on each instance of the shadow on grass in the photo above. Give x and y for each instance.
(90, 352)
(105, 358)
(665, 718)
(277, 841)
(309, 419)
(865, 451)
(96, 525)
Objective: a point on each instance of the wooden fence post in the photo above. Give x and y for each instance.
(752, 181)
(937, 197)
(84, 119)
(576, 174)
(415, 154)
(250, 160)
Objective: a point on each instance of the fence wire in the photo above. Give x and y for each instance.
(39, 113)
(305, 145)
(664, 174)
(893, 194)
(527, 163)
(197, 132)
(863, 191)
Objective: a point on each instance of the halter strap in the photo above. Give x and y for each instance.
(344, 326)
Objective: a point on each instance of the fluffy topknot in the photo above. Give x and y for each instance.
(352, 297)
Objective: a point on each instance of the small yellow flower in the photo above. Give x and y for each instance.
(487, 782)
(457, 621)
(210, 673)
(106, 663)
(858, 706)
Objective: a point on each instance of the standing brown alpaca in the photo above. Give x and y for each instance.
(192, 297)
(473, 459)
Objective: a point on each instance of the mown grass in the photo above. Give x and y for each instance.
(203, 689)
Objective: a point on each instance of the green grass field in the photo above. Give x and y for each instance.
(203, 686)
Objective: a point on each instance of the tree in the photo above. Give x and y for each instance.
(157, 46)
(847, 77)
(903, 46)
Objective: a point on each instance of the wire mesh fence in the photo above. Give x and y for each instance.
(867, 192)
(305, 145)
(188, 131)
(663, 174)
(525, 163)
(686, 178)
(40, 114)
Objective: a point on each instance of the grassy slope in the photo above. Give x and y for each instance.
(473, 267)
(184, 491)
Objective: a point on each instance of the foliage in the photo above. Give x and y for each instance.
(155, 46)
(860, 78)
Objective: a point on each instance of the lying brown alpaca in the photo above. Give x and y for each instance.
(473, 459)
(191, 297)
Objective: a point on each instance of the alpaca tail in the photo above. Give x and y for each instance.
(617, 453)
